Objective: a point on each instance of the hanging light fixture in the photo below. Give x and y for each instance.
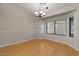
(42, 10)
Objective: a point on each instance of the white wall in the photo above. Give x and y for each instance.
(77, 27)
(74, 42)
(16, 24)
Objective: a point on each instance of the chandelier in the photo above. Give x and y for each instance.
(42, 10)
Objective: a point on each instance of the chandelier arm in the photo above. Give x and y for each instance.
(42, 10)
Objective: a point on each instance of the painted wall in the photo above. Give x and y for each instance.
(74, 42)
(16, 24)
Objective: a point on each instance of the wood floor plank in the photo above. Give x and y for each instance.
(39, 47)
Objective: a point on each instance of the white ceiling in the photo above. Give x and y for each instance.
(32, 7)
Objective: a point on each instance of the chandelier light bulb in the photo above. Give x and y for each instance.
(44, 13)
(36, 13)
(41, 12)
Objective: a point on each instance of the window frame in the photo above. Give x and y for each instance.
(47, 28)
(70, 26)
(55, 28)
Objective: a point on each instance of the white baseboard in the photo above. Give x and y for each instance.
(40, 38)
(15, 43)
(66, 44)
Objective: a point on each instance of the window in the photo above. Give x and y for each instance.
(60, 27)
(50, 27)
(57, 27)
(71, 26)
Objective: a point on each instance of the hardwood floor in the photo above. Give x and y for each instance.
(38, 47)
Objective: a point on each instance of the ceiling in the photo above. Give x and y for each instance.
(32, 7)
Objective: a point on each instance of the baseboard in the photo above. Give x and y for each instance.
(66, 44)
(40, 38)
(14, 43)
